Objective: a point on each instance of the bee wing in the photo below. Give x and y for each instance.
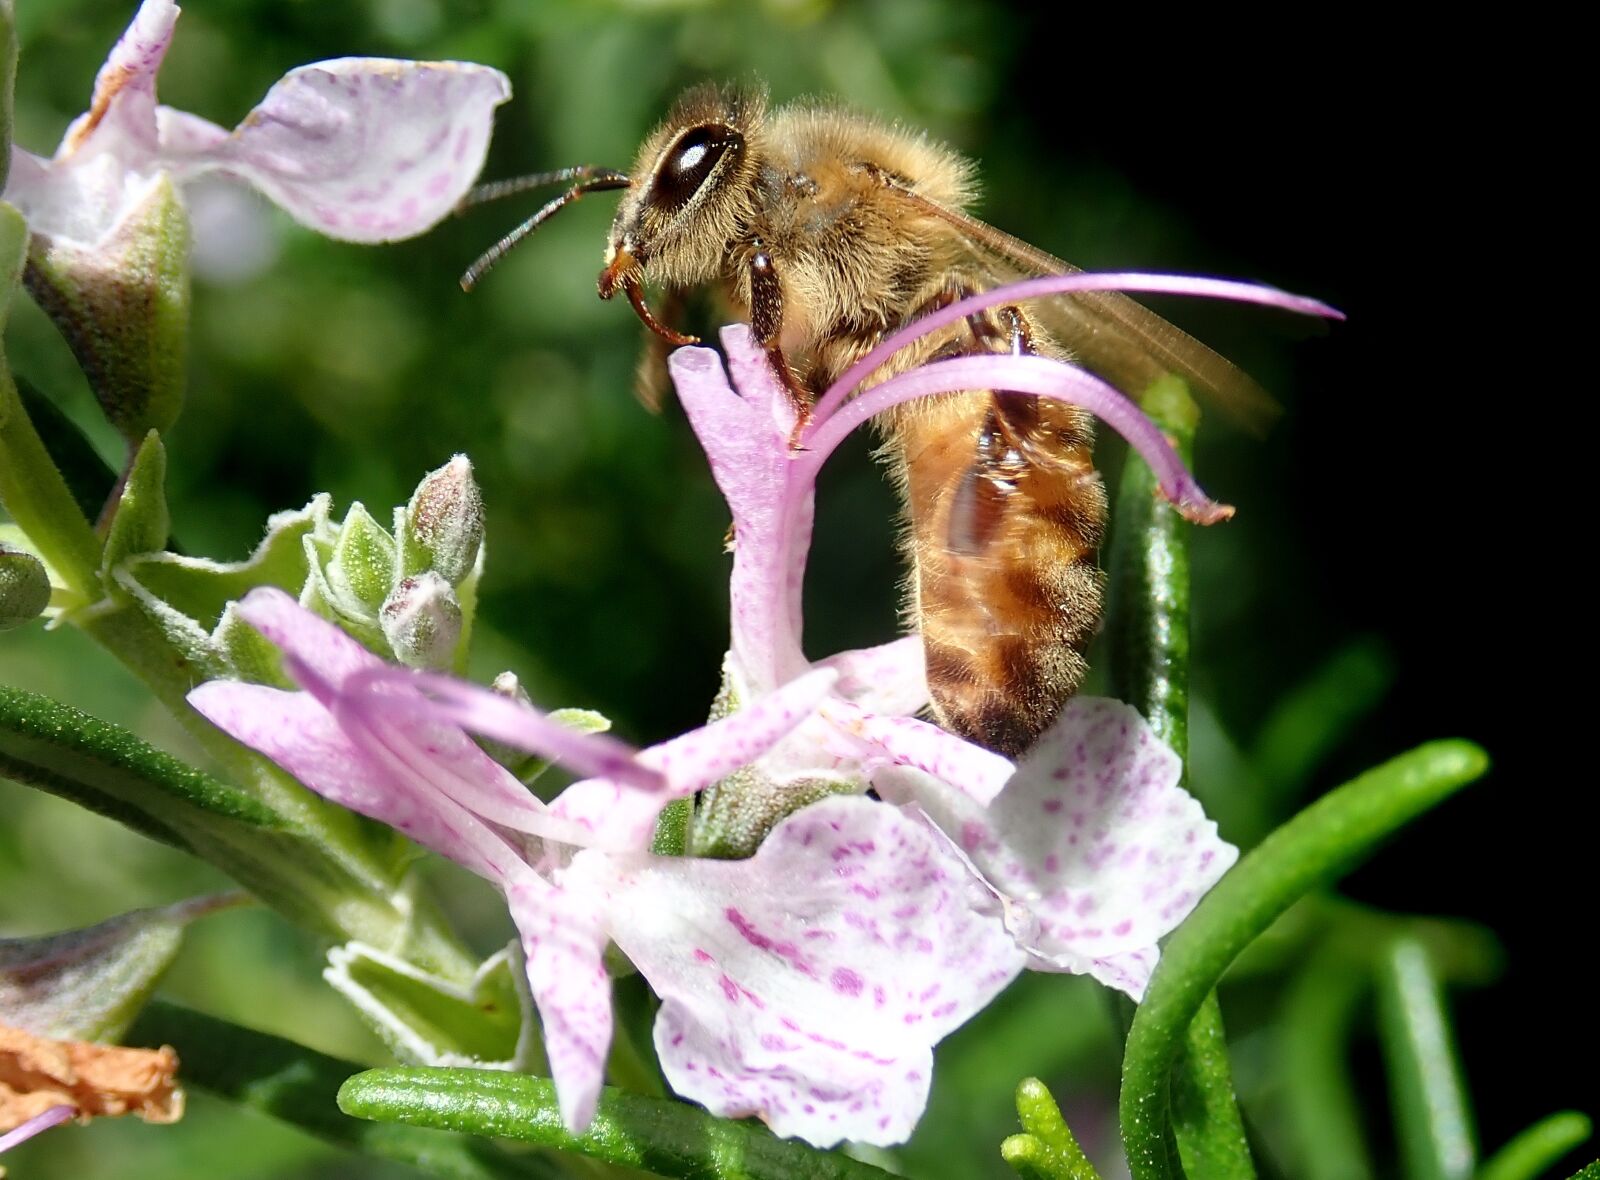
(1124, 341)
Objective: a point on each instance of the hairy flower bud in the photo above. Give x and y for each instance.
(24, 588)
(422, 621)
(443, 527)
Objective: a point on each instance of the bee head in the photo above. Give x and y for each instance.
(692, 192)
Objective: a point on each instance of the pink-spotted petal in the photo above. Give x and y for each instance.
(1092, 837)
(365, 149)
(563, 944)
(977, 773)
(890, 679)
(807, 984)
(746, 441)
(295, 731)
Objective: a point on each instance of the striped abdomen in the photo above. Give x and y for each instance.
(1006, 513)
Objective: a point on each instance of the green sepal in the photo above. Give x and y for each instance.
(655, 1135)
(1046, 1149)
(287, 1081)
(429, 1020)
(140, 523)
(24, 588)
(89, 984)
(188, 598)
(201, 588)
(123, 307)
(361, 569)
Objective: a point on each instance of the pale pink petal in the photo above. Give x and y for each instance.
(746, 441)
(1092, 838)
(297, 733)
(520, 725)
(622, 818)
(181, 134)
(702, 756)
(890, 678)
(563, 943)
(978, 773)
(364, 149)
(318, 655)
(807, 984)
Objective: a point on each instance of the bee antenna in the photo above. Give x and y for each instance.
(596, 180)
(583, 174)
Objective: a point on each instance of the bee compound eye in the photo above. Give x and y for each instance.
(690, 163)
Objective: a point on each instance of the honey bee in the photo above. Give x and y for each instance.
(828, 230)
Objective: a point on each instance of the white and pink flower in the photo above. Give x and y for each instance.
(364, 149)
(807, 984)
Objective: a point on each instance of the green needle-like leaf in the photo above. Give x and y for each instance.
(1309, 850)
(300, 1086)
(668, 1138)
(1150, 635)
(1046, 1149)
(105, 768)
(1321, 1110)
(1531, 1154)
(1433, 1118)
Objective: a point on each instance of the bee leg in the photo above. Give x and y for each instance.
(766, 321)
(650, 381)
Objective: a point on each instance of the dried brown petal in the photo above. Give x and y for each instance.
(37, 1073)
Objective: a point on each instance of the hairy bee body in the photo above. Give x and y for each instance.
(1003, 509)
(829, 230)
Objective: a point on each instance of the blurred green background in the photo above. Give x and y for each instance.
(1357, 605)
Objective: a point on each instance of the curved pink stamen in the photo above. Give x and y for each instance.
(1035, 375)
(22, 1132)
(489, 714)
(1151, 284)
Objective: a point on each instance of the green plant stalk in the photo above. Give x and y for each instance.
(1321, 1108)
(667, 1138)
(1535, 1151)
(1150, 670)
(8, 78)
(1433, 1117)
(33, 493)
(299, 1086)
(1308, 851)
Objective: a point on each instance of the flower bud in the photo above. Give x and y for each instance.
(422, 622)
(443, 526)
(24, 588)
(361, 569)
(123, 307)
